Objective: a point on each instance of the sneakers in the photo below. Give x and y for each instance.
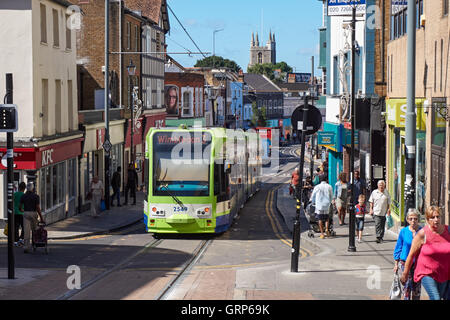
(328, 234)
(322, 236)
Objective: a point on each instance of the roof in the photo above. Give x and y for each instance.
(151, 9)
(64, 3)
(260, 83)
(299, 86)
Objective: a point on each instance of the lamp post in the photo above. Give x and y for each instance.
(131, 72)
(214, 40)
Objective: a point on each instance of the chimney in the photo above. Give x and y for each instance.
(241, 76)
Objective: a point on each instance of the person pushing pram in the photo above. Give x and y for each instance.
(321, 199)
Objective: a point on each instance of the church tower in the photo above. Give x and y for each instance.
(262, 54)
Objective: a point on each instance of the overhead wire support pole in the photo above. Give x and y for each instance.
(351, 207)
(410, 121)
(107, 152)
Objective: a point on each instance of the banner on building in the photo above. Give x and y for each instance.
(345, 7)
(398, 5)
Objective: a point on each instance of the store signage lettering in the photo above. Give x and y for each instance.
(47, 157)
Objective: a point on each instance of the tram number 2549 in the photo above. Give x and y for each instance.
(180, 209)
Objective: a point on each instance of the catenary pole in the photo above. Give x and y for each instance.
(351, 207)
(107, 152)
(410, 121)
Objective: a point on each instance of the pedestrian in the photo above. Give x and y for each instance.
(132, 182)
(97, 193)
(295, 181)
(359, 187)
(431, 249)
(411, 289)
(29, 203)
(288, 137)
(380, 202)
(18, 216)
(316, 180)
(307, 191)
(340, 197)
(360, 211)
(115, 184)
(322, 197)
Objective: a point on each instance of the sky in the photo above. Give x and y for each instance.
(294, 22)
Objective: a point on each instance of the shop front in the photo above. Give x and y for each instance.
(53, 168)
(335, 150)
(395, 135)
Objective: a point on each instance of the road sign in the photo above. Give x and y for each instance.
(107, 146)
(314, 119)
(8, 118)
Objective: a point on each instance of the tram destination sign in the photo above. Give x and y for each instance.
(344, 7)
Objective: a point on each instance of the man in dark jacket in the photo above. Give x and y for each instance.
(115, 184)
(29, 202)
(132, 183)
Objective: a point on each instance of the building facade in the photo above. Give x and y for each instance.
(42, 58)
(263, 54)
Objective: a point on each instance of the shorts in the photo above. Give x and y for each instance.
(359, 224)
(323, 215)
(340, 204)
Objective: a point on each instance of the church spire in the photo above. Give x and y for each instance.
(253, 39)
(257, 40)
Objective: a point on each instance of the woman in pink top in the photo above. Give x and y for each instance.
(432, 246)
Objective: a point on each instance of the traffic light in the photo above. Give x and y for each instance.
(8, 118)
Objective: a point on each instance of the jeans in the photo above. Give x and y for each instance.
(435, 290)
(116, 195)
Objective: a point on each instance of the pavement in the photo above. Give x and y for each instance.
(331, 273)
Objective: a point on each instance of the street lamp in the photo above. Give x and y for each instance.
(214, 40)
(131, 72)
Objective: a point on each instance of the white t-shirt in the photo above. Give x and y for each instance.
(381, 202)
(97, 187)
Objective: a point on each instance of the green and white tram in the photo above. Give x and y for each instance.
(198, 178)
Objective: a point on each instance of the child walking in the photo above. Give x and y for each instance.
(359, 214)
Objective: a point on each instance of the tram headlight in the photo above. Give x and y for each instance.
(157, 212)
(204, 212)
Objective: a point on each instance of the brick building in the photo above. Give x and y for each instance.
(432, 94)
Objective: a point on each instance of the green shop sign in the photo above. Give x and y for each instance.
(326, 138)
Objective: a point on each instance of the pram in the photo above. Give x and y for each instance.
(39, 238)
(314, 223)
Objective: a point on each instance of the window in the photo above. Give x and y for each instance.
(71, 115)
(148, 93)
(260, 59)
(335, 75)
(45, 107)
(158, 94)
(136, 38)
(58, 110)
(55, 28)
(128, 35)
(445, 7)
(186, 104)
(68, 34)
(43, 24)
(442, 53)
(435, 64)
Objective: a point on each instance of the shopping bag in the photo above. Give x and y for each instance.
(396, 288)
(5, 231)
(102, 205)
(390, 221)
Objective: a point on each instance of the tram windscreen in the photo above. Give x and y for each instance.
(181, 162)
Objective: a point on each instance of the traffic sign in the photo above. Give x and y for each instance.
(8, 118)
(314, 119)
(107, 146)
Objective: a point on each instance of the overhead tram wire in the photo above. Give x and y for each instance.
(186, 31)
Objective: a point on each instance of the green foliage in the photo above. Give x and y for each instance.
(259, 115)
(217, 62)
(268, 69)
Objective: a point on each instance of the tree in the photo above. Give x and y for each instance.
(258, 115)
(218, 62)
(268, 69)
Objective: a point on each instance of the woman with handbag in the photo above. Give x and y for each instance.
(431, 248)
(411, 289)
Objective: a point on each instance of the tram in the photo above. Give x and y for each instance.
(197, 179)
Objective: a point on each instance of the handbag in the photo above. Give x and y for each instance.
(396, 288)
(102, 205)
(390, 221)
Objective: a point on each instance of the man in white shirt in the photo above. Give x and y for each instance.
(321, 197)
(380, 201)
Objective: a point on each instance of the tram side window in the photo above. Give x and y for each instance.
(220, 182)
